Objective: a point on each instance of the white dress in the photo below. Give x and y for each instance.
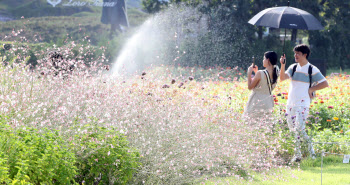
(260, 101)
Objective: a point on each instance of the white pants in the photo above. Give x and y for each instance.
(296, 118)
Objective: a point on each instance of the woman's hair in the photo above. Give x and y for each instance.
(272, 56)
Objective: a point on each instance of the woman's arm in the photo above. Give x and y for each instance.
(253, 82)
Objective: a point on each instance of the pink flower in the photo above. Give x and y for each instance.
(330, 107)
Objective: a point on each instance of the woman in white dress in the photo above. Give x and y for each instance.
(260, 102)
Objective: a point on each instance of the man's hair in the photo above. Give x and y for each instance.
(304, 49)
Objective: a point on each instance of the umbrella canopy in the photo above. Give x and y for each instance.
(286, 17)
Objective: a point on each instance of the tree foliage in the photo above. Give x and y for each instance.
(228, 23)
(153, 6)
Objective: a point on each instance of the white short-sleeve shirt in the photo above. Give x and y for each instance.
(299, 85)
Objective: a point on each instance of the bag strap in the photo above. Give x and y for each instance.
(310, 74)
(294, 69)
(268, 80)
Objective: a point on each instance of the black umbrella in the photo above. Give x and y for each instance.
(286, 17)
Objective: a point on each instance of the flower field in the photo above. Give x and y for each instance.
(182, 124)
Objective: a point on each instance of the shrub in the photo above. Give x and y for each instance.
(104, 156)
(3, 169)
(328, 135)
(28, 155)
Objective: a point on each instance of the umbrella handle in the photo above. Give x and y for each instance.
(284, 42)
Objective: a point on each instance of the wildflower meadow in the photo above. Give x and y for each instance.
(165, 125)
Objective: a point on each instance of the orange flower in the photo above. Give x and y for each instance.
(321, 101)
(328, 120)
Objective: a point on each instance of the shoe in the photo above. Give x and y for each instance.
(295, 159)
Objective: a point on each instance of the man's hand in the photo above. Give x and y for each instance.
(282, 59)
(283, 75)
(311, 93)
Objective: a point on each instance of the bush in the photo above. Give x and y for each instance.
(104, 157)
(333, 118)
(31, 156)
(329, 136)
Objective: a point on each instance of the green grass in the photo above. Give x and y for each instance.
(39, 8)
(55, 29)
(44, 23)
(309, 172)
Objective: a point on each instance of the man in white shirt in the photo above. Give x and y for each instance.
(300, 94)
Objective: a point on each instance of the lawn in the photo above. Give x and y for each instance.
(334, 172)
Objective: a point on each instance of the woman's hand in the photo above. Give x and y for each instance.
(255, 69)
(252, 68)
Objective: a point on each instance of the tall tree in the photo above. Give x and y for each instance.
(153, 6)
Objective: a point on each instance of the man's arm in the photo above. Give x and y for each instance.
(283, 75)
(319, 86)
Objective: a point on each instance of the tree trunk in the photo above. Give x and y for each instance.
(294, 36)
(260, 33)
